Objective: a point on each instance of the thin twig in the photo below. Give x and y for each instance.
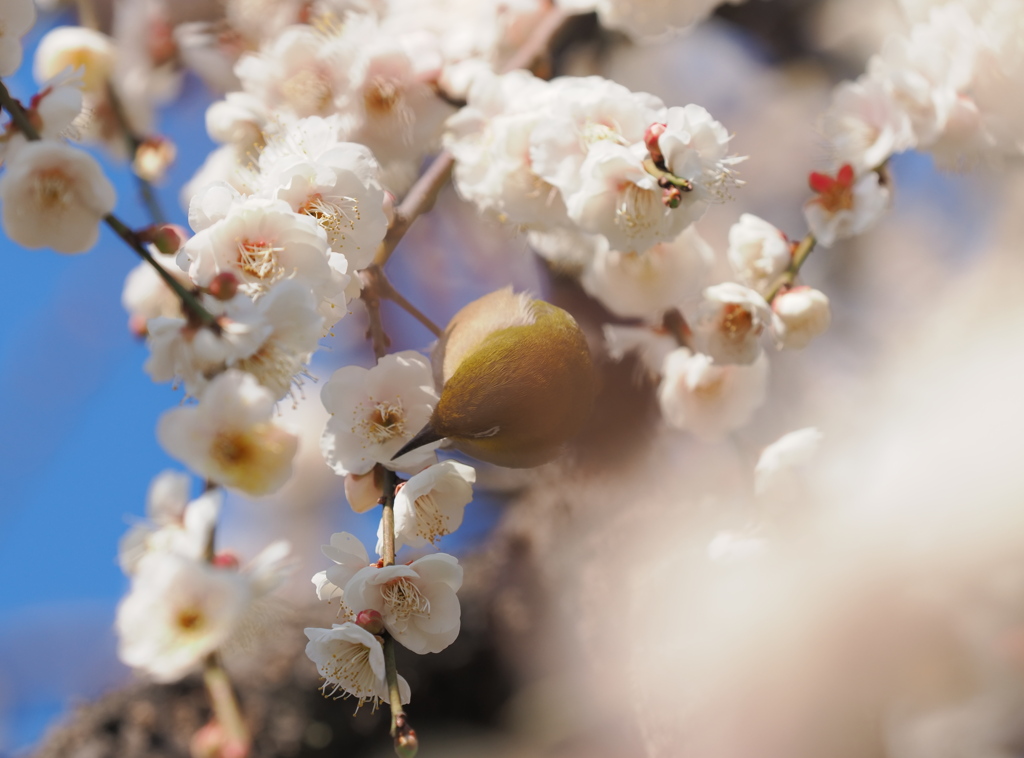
(134, 142)
(189, 302)
(400, 729)
(225, 704)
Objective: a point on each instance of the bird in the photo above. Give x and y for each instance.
(517, 381)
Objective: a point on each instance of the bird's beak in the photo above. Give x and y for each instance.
(424, 436)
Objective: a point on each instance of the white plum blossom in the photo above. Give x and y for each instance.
(490, 139)
(758, 252)
(648, 283)
(16, 18)
(337, 185)
(239, 119)
(392, 106)
(90, 52)
(351, 660)
(348, 552)
(374, 412)
(431, 504)
(182, 350)
(262, 242)
(695, 147)
(229, 436)
(617, 198)
(55, 196)
(652, 346)
(777, 468)
(865, 125)
(293, 328)
(845, 205)
(799, 315)
(417, 601)
(179, 610)
(175, 525)
(580, 113)
(300, 71)
(707, 399)
(731, 319)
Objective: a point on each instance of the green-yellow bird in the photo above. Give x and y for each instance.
(517, 381)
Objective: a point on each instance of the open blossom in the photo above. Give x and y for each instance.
(865, 125)
(845, 205)
(335, 183)
(175, 525)
(799, 315)
(16, 18)
(619, 199)
(696, 147)
(778, 466)
(229, 436)
(351, 660)
(490, 139)
(263, 242)
(55, 196)
(182, 350)
(179, 610)
(758, 252)
(731, 319)
(300, 71)
(707, 399)
(77, 47)
(349, 555)
(374, 412)
(430, 504)
(647, 283)
(417, 601)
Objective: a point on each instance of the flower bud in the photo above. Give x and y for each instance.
(370, 620)
(406, 744)
(153, 157)
(225, 560)
(223, 286)
(671, 197)
(651, 136)
(138, 325)
(364, 491)
(166, 238)
(798, 316)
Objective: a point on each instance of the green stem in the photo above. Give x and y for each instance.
(800, 254)
(188, 300)
(666, 177)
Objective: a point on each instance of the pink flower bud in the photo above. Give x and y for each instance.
(370, 620)
(225, 560)
(137, 325)
(651, 136)
(166, 238)
(223, 286)
(364, 491)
